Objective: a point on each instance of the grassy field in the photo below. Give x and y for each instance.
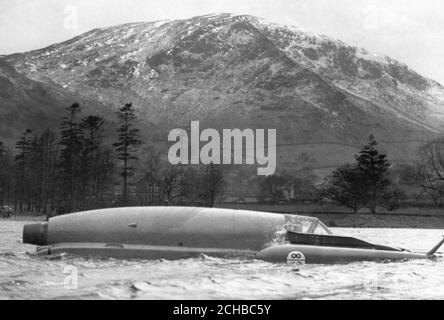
(337, 216)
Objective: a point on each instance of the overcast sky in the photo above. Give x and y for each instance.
(411, 31)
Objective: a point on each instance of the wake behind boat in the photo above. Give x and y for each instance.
(185, 232)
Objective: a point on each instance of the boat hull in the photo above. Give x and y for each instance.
(136, 252)
(330, 255)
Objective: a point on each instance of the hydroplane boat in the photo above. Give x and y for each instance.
(186, 232)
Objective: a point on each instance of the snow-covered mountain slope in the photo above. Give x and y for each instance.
(240, 71)
(386, 82)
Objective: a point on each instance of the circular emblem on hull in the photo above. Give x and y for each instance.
(296, 257)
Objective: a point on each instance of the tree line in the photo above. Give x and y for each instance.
(370, 182)
(82, 166)
(78, 168)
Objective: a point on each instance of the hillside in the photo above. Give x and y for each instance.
(30, 104)
(323, 96)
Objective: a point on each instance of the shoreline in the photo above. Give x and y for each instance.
(380, 221)
(428, 219)
(30, 218)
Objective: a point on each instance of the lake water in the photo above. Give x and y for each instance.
(23, 276)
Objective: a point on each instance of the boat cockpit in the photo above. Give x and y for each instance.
(312, 232)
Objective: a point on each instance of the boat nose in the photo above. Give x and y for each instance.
(36, 234)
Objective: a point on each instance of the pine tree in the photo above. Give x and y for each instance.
(23, 146)
(363, 184)
(126, 146)
(6, 174)
(96, 162)
(92, 125)
(374, 168)
(71, 144)
(42, 175)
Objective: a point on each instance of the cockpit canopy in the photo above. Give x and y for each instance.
(309, 225)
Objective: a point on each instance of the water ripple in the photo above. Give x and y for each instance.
(23, 276)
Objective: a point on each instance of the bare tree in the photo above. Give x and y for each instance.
(430, 171)
(345, 186)
(211, 183)
(271, 187)
(171, 184)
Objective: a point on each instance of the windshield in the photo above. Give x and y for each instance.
(301, 224)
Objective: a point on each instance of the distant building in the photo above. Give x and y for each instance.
(147, 192)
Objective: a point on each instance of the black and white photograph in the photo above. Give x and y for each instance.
(215, 150)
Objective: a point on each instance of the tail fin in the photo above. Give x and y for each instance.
(435, 248)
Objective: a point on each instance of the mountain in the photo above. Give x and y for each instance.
(30, 104)
(323, 97)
